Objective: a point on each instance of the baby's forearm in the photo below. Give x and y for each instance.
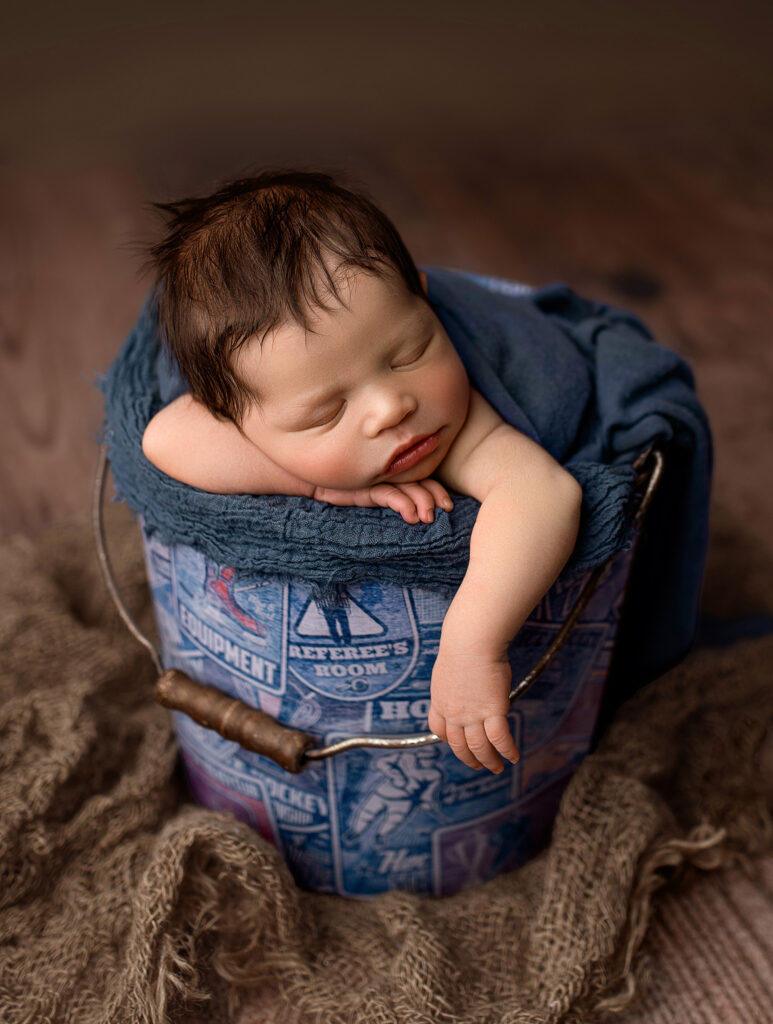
(522, 538)
(185, 441)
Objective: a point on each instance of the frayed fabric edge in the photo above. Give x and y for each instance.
(704, 847)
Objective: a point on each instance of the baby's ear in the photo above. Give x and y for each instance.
(423, 279)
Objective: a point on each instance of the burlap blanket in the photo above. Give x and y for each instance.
(121, 902)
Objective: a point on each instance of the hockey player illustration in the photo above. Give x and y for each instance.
(337, 619)
(341, 620)
(410, 780)
(221, 582)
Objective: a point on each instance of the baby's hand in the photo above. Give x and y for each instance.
(415, 502)
(470, 702)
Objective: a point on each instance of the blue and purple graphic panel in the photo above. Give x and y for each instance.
(367, 821)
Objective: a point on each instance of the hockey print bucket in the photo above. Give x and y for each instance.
(367, 821)
(351, 789)
(307, 719)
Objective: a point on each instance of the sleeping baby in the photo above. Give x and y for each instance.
(318, 368)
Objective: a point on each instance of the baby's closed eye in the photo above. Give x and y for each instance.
(319, 418)
(326, 418)
(414, 356)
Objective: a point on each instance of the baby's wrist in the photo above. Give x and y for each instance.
(464, 637)
(473, 625)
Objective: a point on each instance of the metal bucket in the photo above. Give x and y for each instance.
(375, 803)
(372, 820)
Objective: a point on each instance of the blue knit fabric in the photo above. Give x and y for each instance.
(584, 380)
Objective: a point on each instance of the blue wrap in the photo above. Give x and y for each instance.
(584, 380)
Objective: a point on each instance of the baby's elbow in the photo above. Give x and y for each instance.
(569, 497)
(151, 447)
(574, 492)
(158, 447)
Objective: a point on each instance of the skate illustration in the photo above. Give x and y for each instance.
(221, 582)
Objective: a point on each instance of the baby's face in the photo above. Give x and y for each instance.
(374, 393)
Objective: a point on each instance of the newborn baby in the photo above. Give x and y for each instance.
(317, 367)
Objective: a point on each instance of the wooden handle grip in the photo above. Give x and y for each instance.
(234, 720)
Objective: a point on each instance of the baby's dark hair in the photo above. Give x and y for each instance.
(256, 254)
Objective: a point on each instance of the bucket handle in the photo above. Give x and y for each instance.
(290, 748)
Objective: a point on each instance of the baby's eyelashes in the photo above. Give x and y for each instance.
(328, 417)
(298, 422)
(414, 356)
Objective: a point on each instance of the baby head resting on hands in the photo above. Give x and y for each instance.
(297, 315)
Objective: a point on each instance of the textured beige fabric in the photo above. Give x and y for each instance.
(119, 901)
(710, 951)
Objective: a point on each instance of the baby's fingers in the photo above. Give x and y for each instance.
(481, 747)
(498, 732)
(389, 496)
(437, 723)
(440, 495)
(423, 499)
(428, 495)
(457, 741)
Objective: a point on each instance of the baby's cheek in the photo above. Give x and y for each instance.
(453, 389)
(333, 467)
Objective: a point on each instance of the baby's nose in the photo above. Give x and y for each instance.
(388, 408)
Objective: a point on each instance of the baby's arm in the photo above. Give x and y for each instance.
(185, 441)
(524, 533)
